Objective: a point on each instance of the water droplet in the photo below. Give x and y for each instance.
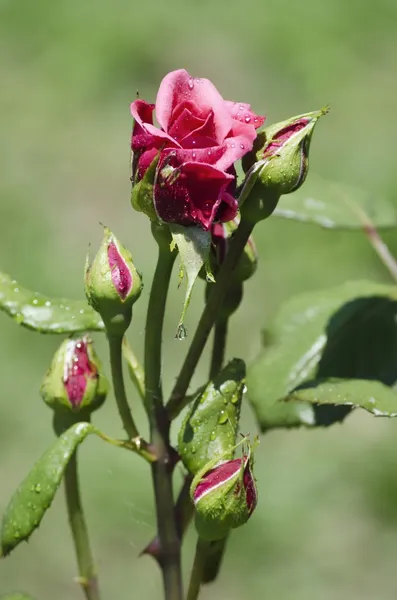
(213, 436)
(242, 146)
(16, 289)
(247, 119)
(235, 398)
(61, 306)
(232, 145)
(209, 152)
(37, 488)
(35, 301)
(193, 449)
(81, 311)
(17, 534)
(67, 307)
(190, 84)
(241, 106)
(225, 400)
(256, 120)
(223, 417)
(195, 429)
(198, 81)
(181, 332)
(194, 156)
(245, 389)
(47, 303)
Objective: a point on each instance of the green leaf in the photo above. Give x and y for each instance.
(46, 315)
(210, 427)
(334, 205)
(346, 332)
(34, 495)
(194, 247)
(374, 396)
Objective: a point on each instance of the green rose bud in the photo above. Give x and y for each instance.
(75, 380)
(112, 284)
(210, 426)
(278, 164)
(224, 495)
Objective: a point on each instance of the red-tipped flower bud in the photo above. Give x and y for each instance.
(112, 284)
(224, 496)
(278, 164)
(74, 380)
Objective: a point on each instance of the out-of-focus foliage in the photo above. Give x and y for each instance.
(326, 524)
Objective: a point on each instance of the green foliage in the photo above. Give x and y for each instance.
(341, 333)
(43, 314)
(16, 596)
(35, 494)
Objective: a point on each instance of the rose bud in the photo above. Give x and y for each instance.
(224, 496)
(278, 164)
(183, 171)
(112, 284)
(75, 380)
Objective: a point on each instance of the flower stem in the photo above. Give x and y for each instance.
(218, 347)
(115, 343)
(197, 570)
(381, 249)
(87, 577)
(134, 368)
(169, 557)
(208, 318)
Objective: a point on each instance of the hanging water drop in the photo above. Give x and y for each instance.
(181, 332)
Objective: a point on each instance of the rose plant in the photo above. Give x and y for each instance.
(184, 178)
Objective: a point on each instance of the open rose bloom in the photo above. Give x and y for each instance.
(200, 137)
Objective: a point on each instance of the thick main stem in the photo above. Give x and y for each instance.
(87, 577)
(169, 540)
(208, 318)
(115, 347)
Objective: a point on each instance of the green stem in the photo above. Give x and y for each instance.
(196, 575)
(134, 368)
(208, 318)
(169, 540)
(119, 388)
(218, 347)
(381, 249)
(87, 577)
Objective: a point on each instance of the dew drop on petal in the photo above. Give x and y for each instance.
(247, 119)
(190, 84)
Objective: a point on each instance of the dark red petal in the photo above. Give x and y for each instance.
(191, 193)
(285, 134)
(250, 488)
(217, 476)
(228, 208)
(77, 370)
(203, 136)
(142, 114)
(121, 276)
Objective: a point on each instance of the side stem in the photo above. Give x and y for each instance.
(115, 345)
(208, 317)
(87, 577)
(169, 540)
(218, 347)
(197, 570)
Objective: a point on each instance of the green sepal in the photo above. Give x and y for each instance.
(35, 494)
(194, 246)
(210, 427)
(45, 314)
(142, 191)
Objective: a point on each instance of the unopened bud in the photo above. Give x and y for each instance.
(75, 380)
(278, 164)
(112, 284)
(224, 496)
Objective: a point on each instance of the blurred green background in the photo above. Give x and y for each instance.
(326, 525)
